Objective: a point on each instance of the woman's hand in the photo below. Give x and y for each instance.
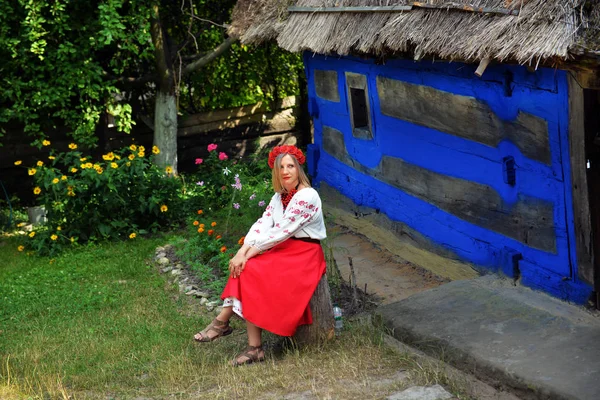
(236, 265)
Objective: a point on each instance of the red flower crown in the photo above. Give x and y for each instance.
(291, 150)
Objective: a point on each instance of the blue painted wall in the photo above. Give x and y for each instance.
(542, 93)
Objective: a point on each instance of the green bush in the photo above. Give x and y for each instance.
(121, 197)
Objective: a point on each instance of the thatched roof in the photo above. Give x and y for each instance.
(523, 31)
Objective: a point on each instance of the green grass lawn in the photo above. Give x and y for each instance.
(101, 322)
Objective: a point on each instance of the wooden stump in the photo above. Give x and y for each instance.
(322, 328)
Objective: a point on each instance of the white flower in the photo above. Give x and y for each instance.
(226, 171)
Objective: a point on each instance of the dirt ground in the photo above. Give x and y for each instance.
(383, 276)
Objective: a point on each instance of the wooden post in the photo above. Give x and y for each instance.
(322, 328)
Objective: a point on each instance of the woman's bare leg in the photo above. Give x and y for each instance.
(254, 334)
(225, 314)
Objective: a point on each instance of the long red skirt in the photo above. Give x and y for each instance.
(276, 286)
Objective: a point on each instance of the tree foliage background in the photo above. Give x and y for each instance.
(65, 63)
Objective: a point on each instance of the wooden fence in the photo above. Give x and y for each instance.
(238, 131)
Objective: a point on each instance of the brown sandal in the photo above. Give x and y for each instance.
(220, 327)
(251, 354)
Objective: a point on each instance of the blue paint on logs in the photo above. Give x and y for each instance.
(543, 93)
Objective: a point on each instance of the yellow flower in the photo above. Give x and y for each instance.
(89, 165)
(131, 157)
(163, 208)
(55, 180)
(58, 228)
(133, 147)
(21, 248)
(32, 234)
(63, 178)
(109, 157)
(141, 154)
(18, 162)
(83, 166)
(72, 146)
(53, 237)
(73, 170)
(128, 164)
(132, 236)
(20, 224)
(72, 239)
(71, 193)
(117, 157)
(40, 163)
(37, 190)
(169, 170)
(32, 171)
(99, 171)
(114, 165)
(51, 157)
(155, 150)
(46, 143)
(83, 159)
(97, 167)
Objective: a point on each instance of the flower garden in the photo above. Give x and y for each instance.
(125, 196)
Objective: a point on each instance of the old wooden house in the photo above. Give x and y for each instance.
(472, 125)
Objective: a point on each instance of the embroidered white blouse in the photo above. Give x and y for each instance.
(303, 218)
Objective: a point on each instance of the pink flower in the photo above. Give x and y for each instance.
(212, 147)
(222, 156)
(261, 203)
(236, 205)
(199, 161)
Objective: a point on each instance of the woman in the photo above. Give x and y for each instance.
(274, 274)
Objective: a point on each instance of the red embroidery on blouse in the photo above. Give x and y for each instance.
(257, 231)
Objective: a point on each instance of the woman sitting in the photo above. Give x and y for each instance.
(276, 271)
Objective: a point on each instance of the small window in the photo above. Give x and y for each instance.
(358, 104)
(360, 116)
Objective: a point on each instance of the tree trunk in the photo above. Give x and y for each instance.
(165, 109)
(322, 328)
(165, 130)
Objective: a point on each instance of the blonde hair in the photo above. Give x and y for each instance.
(276, 174)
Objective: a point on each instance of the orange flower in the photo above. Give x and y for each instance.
(218, 237)
(210, 232)
(196, 223)
(200, 230)
(241, 241)
(213, 224)
(223, 249)
(200, 212)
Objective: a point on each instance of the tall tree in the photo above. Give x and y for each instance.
(65, 63)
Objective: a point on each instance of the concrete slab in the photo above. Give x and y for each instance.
(506, 335)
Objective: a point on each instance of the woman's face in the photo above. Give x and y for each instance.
(288, 173)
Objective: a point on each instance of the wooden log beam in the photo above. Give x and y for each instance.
(404, 8)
